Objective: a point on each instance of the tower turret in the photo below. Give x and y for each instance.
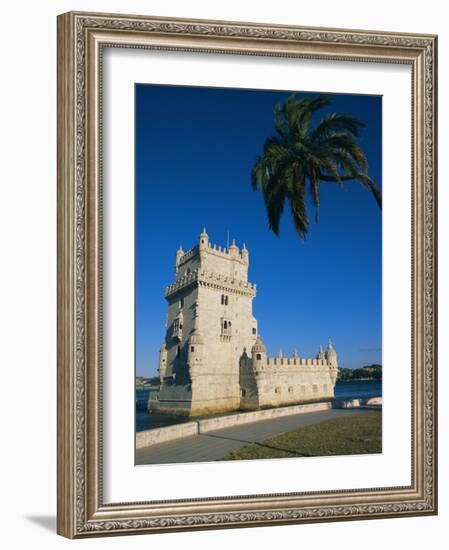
(258, 354)
(244, 253)
(195, 347)
(162, 362)
(320, 354)
(179, 255)
(331, 356)
(234, 250)
(204, 239)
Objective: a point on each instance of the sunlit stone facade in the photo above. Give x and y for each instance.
(213, 359)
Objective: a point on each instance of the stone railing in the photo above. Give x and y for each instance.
(179, 431)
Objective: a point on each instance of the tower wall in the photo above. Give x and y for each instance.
(175, 393)
(293, 384)
(217, 387)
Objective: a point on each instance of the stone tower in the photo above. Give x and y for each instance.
(209, 326)
(213, 359)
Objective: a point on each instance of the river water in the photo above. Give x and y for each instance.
(344, 389)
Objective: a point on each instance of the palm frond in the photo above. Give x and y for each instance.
(300, 157)
(274, 197)
(333, 123)
(298, 210)
(369, 184)
(306, 115)
(345, 144)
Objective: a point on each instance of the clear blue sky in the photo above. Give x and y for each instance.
(194, 151)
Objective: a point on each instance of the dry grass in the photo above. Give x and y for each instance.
(354, 434)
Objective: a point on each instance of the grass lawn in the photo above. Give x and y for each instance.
(353, 434)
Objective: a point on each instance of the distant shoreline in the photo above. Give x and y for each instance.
(361, 379)
(358, 379)
(363, 374)
(371, 372)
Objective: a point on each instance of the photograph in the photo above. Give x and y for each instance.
(258, 274)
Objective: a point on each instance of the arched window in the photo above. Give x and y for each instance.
(226, 328)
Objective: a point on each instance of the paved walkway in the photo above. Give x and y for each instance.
(214, 445)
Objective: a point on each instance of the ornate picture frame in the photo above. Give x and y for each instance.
(82, 38)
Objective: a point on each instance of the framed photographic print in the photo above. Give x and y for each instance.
(246, 274)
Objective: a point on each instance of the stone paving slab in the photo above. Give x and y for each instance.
(214, 445)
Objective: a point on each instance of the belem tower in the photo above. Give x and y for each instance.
(213, 358)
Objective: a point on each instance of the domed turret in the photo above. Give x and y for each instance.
(331, 356)
(196, 338)
(179, 255)
(195, 347)
(259, 346)
(258, 354)
(204, 239)
(162, 362)
(233, 249)
(320, 354)
(194, 353)
(244, 253)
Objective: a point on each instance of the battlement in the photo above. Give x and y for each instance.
(226, 266)
(297, 361)
(230, 253)
(188, 255)
(205, 251)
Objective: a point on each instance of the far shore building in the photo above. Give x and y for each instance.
(213, 359)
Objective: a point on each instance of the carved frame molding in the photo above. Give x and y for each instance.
(81, 38)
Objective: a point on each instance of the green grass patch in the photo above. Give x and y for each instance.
(346, 435)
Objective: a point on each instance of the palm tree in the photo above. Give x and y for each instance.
(301, 156)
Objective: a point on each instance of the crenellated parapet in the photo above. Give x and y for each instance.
(230, 253)
(188, 255)
(296, 361)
